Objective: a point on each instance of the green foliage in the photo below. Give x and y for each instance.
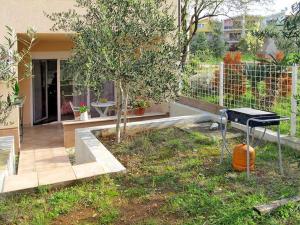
(286, 35)
(208, 47)
(243, 45)
(16, 89)
(203, 10)
(216, 42)
(10, 58)
(199, 44)
(254, 44)
(272, 30)
(203, 139)
(126, 41)
(140, 103)
(292, 58)
(83, 108)
(291, 28)
(124, 45)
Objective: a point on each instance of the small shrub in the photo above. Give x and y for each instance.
(141, 144)
(135, 192)
(109, 216)
(166, 153)
(176, 145)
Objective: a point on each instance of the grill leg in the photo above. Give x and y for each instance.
(222, 153)
(279, 150)
(223, 133)
(248, 151)
(223, 145)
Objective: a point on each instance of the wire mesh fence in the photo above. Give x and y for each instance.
(261, 86)
(202, 86)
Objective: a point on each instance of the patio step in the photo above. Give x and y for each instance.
(50, 166)
(42, 159)
(20, 182)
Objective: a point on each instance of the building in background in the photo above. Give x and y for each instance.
(206, 26)
(235, 28)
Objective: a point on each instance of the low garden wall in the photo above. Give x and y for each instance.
(89, 149)
(7, 158)
(70, 126)
(11, 131)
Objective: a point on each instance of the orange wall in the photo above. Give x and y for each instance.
(52, 43)
(52, 46)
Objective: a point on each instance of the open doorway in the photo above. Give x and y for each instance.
(44, 91)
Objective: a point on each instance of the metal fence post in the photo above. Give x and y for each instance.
(294, 101)
(221, 85)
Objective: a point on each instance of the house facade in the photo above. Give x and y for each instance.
(47, 93)
(205, 26)
(235, 28)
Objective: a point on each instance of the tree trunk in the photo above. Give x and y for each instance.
(125, 109)
(184, 56)
(119, 111)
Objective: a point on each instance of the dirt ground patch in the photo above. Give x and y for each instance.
(78, 216)
(136, 211)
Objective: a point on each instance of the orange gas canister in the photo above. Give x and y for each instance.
(239, 158)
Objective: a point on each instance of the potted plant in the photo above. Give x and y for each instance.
(83, 109)
(15, 98)
(140, 106)
(103, 100)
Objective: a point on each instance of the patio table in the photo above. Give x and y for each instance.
(102, 108)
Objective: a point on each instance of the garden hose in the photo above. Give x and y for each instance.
(224, 131)
(259, 140)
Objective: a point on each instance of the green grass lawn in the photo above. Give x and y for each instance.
(247, 58)
(173, 177)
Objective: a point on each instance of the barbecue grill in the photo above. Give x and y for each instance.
(251, 118)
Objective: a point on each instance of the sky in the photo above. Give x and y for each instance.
(276, 7)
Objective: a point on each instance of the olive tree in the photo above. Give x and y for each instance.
(130, 42)
(10, 58)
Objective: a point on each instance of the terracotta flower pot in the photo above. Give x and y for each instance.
(139, 111)
(76, 115)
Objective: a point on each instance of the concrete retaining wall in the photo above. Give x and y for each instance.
(89, 149)
(7, 158)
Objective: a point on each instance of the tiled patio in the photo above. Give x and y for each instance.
(44, 161)
(43, 137)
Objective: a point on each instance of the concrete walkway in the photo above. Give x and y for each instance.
(44, 161)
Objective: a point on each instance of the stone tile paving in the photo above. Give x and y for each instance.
(44, 161)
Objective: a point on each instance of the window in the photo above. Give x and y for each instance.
(234, 36)
(201, 25)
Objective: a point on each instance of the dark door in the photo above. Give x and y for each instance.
(44, 91)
